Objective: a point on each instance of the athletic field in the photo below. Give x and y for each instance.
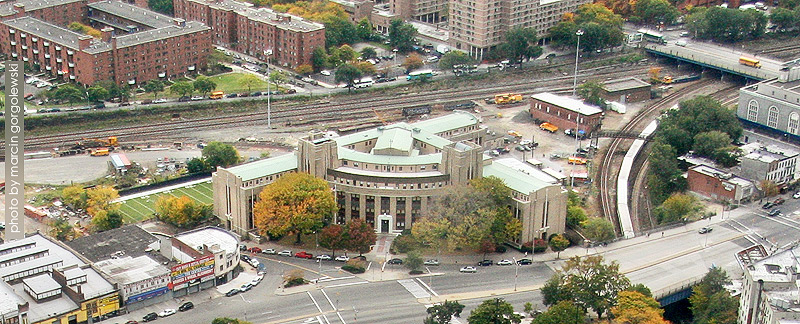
(135, 210)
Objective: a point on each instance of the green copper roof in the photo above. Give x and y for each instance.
(448, 122)
(265, 167)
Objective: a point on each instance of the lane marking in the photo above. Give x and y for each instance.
(415, 289)
(348, 284)
(318, 308)
(427, 287)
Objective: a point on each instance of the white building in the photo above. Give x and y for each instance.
(222, 244)
(771, 162)
(771, 290)
(138, 279)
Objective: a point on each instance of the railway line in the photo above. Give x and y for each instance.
(780, 49)
(344, 110)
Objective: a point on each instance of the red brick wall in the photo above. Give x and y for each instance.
(62, 15)
(172, 56)
(563, 118)
(709, 186)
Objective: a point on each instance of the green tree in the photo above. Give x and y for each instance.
(576, 216)
(602, 28)
(368, 53)
(75, 196)
(278, 78)
(521, 44)
(678, 207)
(249, 80)
(493, 311)
(319, 58)
(154, 87)
(348, 75)
(296, 203)
(453, 58)
(182, 88)
(204, 85)
(100, 199)
(62, 230)
(641, 288)
(588, 282)
(769, 188)
(563, 312)
(334, 237)
(218, 154)
(727, 25)
(162, 6)
(402, 35)
(558, 243)
(493, 188)
(783, 18)
(362, 236)
(413, 261)
(707, 143)
(339, 31)
(635, 308)
(710, 302)
(591, 92)
(107, 220)
(554, 290)
(304, 69)
(444, 312)
(413, 62)
(656, 11)
(182, 211)
(114, 90)
(196, 165)
(97, 94)
(598, 229)
(68, 92)
(228, 320)
(364, 30)
(664, 176)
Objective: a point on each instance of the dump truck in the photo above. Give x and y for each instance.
(507, 98)
(549, 127)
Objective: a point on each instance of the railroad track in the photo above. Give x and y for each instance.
(780, 49)
(322, 111)
(606, 176)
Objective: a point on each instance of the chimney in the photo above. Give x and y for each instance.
(180, 22)
(20, 9)
(107, 33)
(84, 41)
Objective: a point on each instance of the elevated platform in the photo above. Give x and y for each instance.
(726, 60)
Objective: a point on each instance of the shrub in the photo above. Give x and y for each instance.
(295, 282)
(527, 247)
(500, 249)
(539, 245)
(353, 269)
(416, 272)
(403, 244)
(294, 278)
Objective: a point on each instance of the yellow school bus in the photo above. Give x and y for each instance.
(217, 95)
(750, 62)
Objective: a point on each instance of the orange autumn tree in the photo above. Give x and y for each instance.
(182, 211)
(635, 308)
(296, 203)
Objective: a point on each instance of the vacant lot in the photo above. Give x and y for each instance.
(142, 208)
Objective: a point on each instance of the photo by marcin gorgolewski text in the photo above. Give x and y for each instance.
(15, 151)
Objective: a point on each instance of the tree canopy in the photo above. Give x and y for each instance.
(656, 11)
(563, 312)
(588, 282)
(453, 58)
(521, 44)
(182, 211)
(726, 24)
(183, 88)
(204, 85)
(154, 87)
(444, 312)
(679, 207)
(602, 28)
(296, 203)
(635, 308)
(494, 311)
(710, 302)
(218, 154)
(348, 74)
(402, 35)
(599, 229)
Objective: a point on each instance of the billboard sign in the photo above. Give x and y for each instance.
(192, 270)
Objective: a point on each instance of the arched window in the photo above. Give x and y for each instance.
(794, 123)
(752, 111)
(772, 117)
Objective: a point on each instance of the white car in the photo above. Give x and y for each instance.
(342, 258)
(195, 98)
(286, 253)
(166, 312)
(42, 84)
(324, 257)
(254, 263)
(796, 195)
(431, 262)
(505, 262)
(269, 251)
(32, 81)
(257, 280)
(525, 142)
(468, 270)
(160, 100)
(325, 72)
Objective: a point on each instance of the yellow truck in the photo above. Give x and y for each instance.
(103, 151)
(576, 160)
(507, 98)
(549, 127)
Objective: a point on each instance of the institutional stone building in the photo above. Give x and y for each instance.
(387, 176)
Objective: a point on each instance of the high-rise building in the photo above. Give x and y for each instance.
(478, 26)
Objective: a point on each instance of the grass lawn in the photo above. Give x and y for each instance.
(230, 83)
(142, 208)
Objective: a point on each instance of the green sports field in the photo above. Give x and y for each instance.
(142, 208)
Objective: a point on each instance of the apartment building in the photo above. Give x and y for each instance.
(769, 162)
(388, 176)
(260, 32)
(770, 292)
(478, 26)
(136, 45)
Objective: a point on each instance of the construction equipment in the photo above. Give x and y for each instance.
(576, 160)
(103, 151)
(380, 117)
(507, 98)
(110, 141)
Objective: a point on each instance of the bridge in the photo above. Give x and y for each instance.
(726, 60)
(620, 134)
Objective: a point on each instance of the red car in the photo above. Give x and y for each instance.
(303, 255)
(255, 249)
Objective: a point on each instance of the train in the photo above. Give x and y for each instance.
(682, 79)
(416, 111)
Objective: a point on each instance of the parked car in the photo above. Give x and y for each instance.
(360, 257)
(150, 317)
(768, 205)
(342, 258)
(254, 263)
(796, 195)
(524, 261)
(244, 258)
(779, 201)
(485, 263)
(256, 94)
(325, 72)
(186, 306)
(304, 255)
(246, 287)
(468, 269)
(257, 280)
(232, 95)
(705, 230)
(244, 94)
(395, 261)
(196, 98)
(167, 312)
(286, 253)
(775, 212)
(131, 322)
(184, 99)
(160, 100)
(505, 262)
(232, 292)
(431, 262)
(242, 247)
(255, 249)
(269, 251)
(324, 257)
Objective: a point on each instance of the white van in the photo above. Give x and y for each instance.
(364, 83)
(681, 43)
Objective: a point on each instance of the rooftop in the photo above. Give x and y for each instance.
(768, 153)
(9, 301)
(129, 269)
(139, 15)
(726, 176)
(567, 103)
(55, 34)
(280, 20)
(41, 283)
(397, 139)
(456, 120)
(517, 176)
(624, 84)
(210, 236)
(126, 241)
(425, 174)
(7, 7)
(261, 168)
(777, 268)
(161, 33)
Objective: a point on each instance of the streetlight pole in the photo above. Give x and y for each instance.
(577, 54)
(516, 272)
(268, 53)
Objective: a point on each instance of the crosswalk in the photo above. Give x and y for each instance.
(414, 288)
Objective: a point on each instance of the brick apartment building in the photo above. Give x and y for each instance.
(563, 112)
(479, 26)
(719, 185)
(256, 31)
(136, 45)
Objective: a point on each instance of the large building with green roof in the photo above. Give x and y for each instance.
(388, 175)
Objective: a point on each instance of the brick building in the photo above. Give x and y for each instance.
(256, 31)
(136, 45)
(563, 112)
(719, 185)
(626, 90)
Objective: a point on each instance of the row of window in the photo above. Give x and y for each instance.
(387, 185)
(31, 272)
(773, 116)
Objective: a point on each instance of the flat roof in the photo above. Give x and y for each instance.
(457, 119)
(160, 33)
(39, 311)
(22, 253)
(129, 240)
(567, 103)
(265, 167)
(713, 172)
(418, 133)
(55, 34)
(41, 283)
(395, 138)
(624, 84)
(54, 260)
(16, 244)
(133, 13)
(210, 236)
(129, 270)
(9, 301)
(265, 15)
(518, 176)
